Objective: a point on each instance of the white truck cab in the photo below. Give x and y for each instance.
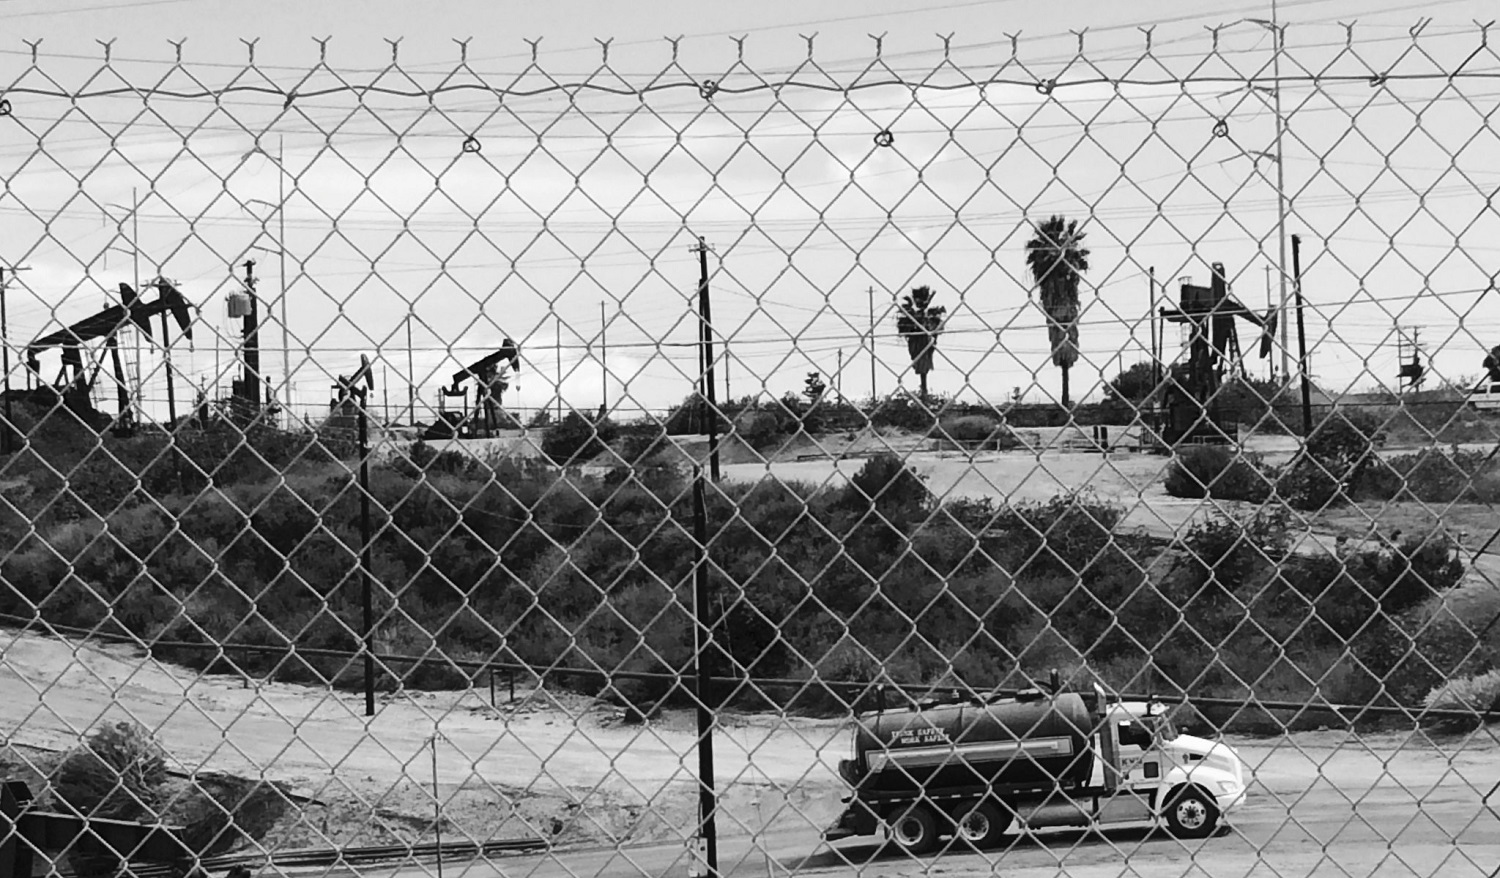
(1154, 759)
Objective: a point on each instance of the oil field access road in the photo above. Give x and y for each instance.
(1324, 804)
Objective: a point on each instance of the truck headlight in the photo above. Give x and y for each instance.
(1228, 786)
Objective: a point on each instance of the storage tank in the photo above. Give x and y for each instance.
(1034, 743)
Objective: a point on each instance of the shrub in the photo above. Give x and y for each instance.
(885, 482)
(1214, 471)
(1067, 534)
(640, 443)
(1478, 693)
(1311, 484)
(759, 429)
(1418, 568)
(1433, 475)
(686, 418)
(577, 438)
(977, 431)
(1230, 550)
(1346, 438)
(1412, 654)
(906, 412)
(219, 811)
(116, 774)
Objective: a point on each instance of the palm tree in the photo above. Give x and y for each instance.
(1057, 259)
(920, 324)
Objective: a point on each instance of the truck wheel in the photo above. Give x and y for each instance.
(979, 824)
(915, 830)
(1191, 814)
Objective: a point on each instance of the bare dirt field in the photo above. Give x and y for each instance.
(618, 798)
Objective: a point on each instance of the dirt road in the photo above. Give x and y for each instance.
(618, 799)
(1323, 805)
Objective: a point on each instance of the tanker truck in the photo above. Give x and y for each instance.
(971, 770)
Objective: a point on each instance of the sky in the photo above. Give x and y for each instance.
(597, 155)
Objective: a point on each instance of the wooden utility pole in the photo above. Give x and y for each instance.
(603, 360)
(250, 331)
(871, 291)
(707, 400)
(838, 379)
(1302, 365)
(707, 836)
(411, 375)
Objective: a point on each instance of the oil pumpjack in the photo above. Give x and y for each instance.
(75, 382)
(350, 397)
(1191, 393)
(492, 376)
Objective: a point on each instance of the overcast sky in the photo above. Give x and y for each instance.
(582, 196)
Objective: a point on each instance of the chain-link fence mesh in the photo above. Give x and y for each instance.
(833, 466)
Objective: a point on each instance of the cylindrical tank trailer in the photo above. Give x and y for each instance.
(971, 770)
(1041, 742)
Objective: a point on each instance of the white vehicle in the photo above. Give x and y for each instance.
(1486, 397)
(972, 770)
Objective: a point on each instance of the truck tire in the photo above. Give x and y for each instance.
(979, 824)
(1191, 814)
(915, 829)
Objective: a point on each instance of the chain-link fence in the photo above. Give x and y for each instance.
(845, 465)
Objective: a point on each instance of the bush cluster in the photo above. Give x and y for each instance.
(578, 438)
(496, 559)
(1215, 471)
(976, 432)
(1434, 475)
(1337, 458)
(1477, 693)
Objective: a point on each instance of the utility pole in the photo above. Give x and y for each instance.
(1281, 206)
(135, 247)
(838, 379)
(603, 361)
(871, 291)
(707, 836)
(286, 345)
(1271, 361)
(6, 445)
(411, 375)
(1155, 354)
(706, 345)
(558, 343)
(1302, 365)
(250, 382)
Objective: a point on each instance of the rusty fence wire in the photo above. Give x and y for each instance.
(1032, 461)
